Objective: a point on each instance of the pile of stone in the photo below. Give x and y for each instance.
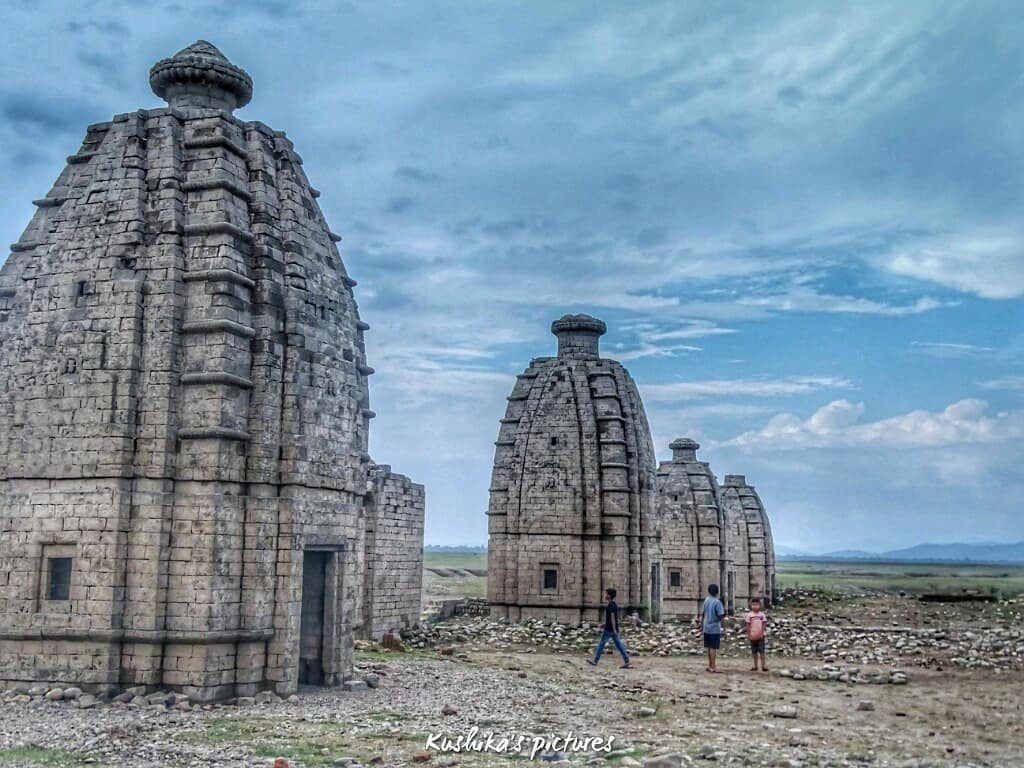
(995, 647)
(834, 674)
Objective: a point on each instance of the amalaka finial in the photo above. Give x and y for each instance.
(578, 335)
(200, 76)
(684, 449)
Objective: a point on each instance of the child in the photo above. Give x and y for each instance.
(610, 631)
(711, 614)
(757, 624)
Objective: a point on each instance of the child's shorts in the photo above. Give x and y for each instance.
(757, 646)
(712, 640)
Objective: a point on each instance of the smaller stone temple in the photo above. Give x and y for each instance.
(576, 505)
(572, 494)
(755, 567)
(695, 537)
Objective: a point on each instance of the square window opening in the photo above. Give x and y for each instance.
(675, 579)
(550, 582)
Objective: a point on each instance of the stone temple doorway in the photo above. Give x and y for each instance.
(655, 592)
(314, 619)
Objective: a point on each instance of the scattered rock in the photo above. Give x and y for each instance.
(785, 712)
(54, 694)
(667, 760)
(421, 756)
(646, 712)
(354, 685)
(448, 709)
(865, 706)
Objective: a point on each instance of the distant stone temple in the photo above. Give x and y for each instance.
(572, 495)
(577, 506)
(186, 498)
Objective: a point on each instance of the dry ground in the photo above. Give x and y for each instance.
(946, 714)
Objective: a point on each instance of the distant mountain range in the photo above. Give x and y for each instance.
(958, 552)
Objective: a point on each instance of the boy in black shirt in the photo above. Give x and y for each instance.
(611, 632)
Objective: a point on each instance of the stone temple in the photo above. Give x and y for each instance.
(572, 495)
(186, 499)
(577, 506)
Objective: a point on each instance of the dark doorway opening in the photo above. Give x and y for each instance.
(655, 592)
(311, 633)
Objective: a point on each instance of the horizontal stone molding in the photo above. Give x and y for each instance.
(219, 326)
(368, 413)
(141, 636)
(349, 281)
(335, 238)
(6, 293)
(511, 421)
(25, 245)
(365, 370)
(49, 202)
(609, 417)
(213, 433)
(219, 228)
(361, 326)
(218, 276)
(216, 377)
(81, 157)
(504, 442)
(225, 184)
(614, 465)
(205, 142)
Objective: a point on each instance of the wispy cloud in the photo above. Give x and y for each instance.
(696, 390)
(838, 424)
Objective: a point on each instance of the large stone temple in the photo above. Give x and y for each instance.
(186, 498)
(577, 505)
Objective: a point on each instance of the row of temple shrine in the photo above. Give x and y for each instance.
(578, 504)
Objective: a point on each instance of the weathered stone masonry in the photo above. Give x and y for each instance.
(572, 494)
(576, 505)
(184, 411)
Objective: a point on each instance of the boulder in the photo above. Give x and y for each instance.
(667, 760)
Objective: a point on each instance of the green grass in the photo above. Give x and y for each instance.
(39, 756)
(455, 559)
(915, 578)
(303, 742)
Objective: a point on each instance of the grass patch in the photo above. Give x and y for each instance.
(913, 578)
(40, 756)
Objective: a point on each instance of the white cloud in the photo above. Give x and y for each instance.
(801, 299)
(951, 349)
(696, 390)
(987, 264)
(1004, 382)
(838, 424)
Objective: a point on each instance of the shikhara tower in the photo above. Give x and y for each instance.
(572, 494)
(185, 492)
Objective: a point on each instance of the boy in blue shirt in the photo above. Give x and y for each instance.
(610, 631)
(711, 614)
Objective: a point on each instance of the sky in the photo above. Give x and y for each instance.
(802, 224)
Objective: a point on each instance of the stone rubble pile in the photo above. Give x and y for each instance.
(991, 647)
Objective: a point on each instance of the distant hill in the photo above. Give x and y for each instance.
(459, 548)
(957, 552)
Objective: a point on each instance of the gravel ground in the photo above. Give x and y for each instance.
(813, 709)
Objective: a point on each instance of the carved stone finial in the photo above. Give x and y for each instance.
(684, 449)
(578, 335)
(201, 76)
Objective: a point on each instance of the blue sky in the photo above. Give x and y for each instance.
(801, 222)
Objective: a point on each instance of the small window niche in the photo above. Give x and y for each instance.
(675, 579)
(57, 569)
(549, 578)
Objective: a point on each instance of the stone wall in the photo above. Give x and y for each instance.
(184, 407)
(394, 554)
